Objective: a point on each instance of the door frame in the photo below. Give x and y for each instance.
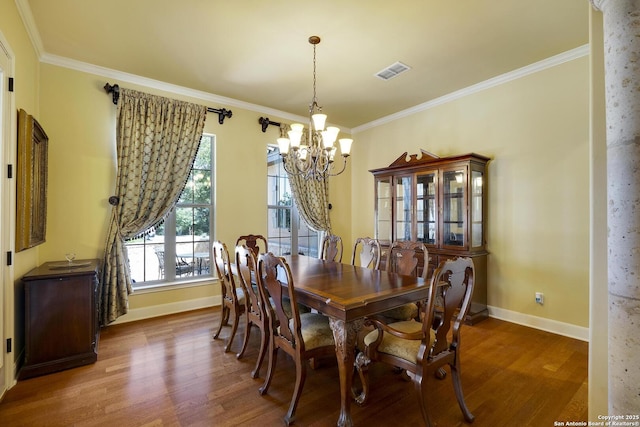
(8, 136)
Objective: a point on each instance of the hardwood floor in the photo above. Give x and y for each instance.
(169, 372)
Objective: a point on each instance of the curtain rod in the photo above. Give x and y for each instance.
(114, 90)
(265, 122)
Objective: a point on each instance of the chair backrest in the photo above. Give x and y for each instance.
(369, 254)
(408, 258)
(247, 265)
(222, 263)
(256, 242)
(331, 248)
(160, 255)
(285, 324)
(449, 299)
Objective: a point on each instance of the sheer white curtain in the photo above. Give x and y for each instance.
(157, 141)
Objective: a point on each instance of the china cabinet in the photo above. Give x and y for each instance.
(440, 201)
(61, 318)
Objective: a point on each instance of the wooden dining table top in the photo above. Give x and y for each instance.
(348, 292)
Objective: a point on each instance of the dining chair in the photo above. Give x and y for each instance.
(302, 336)
(366, 253)
(410, 259)
(233, 297)
(247, 268)
(256, 242)
(422, 347)
(331, 249)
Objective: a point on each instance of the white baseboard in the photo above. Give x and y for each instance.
(548, 325)
(170, 308)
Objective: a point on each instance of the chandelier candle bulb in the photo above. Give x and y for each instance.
(318, 121)
(333, 133)
(283, 145)
(294, 139)
(297, 127)
(326, 140)
(345, 146)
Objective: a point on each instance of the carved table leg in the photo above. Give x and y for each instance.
(345, 334)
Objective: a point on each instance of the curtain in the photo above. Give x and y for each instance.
(157, 141)
(312, 200)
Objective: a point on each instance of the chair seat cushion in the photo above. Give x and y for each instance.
(240, 295)
(404, 312)
(315, 329)
(286, 306)
(400, 347)
(286, 303)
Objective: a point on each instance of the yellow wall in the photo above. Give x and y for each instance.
(536, 130)
(79, 118)
(26, 93)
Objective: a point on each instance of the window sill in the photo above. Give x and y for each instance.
(171, 286)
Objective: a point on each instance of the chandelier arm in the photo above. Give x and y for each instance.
(344, 166)
(323, 163)
(289, 169)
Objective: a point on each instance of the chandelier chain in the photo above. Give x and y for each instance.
(314, 101)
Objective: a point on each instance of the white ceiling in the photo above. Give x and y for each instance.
(257, 51)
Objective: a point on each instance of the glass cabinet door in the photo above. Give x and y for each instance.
(426, 208)
(453, 230)
(404, 208)
(383, 208)
(477, 232)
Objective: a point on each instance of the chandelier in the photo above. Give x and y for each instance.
(311, 154)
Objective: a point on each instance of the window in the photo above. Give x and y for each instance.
(287, 232)
(180, 248)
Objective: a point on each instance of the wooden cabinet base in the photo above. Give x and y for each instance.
(57, 365)
(61, 319)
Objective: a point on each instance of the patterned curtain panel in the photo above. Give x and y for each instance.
(157, 141)
(312, 200)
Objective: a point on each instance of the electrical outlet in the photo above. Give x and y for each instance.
(539, 298)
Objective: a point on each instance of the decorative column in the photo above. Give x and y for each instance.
(622, 80)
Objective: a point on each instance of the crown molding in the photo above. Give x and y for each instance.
(30, 25)
(561, 58)
(122, 76)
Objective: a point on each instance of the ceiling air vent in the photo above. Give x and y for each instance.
(392, 71)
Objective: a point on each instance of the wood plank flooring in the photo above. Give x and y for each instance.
(169, 372)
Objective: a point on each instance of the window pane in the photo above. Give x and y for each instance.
(287, 233)
(307, 241)
(279, 231)
(197, 189)
(453, 207)
(403, 208)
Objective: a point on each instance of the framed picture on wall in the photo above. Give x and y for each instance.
(31, 183)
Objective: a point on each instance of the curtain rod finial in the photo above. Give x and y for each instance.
(114, 90)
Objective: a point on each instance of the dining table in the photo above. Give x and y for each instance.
(347, 294)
